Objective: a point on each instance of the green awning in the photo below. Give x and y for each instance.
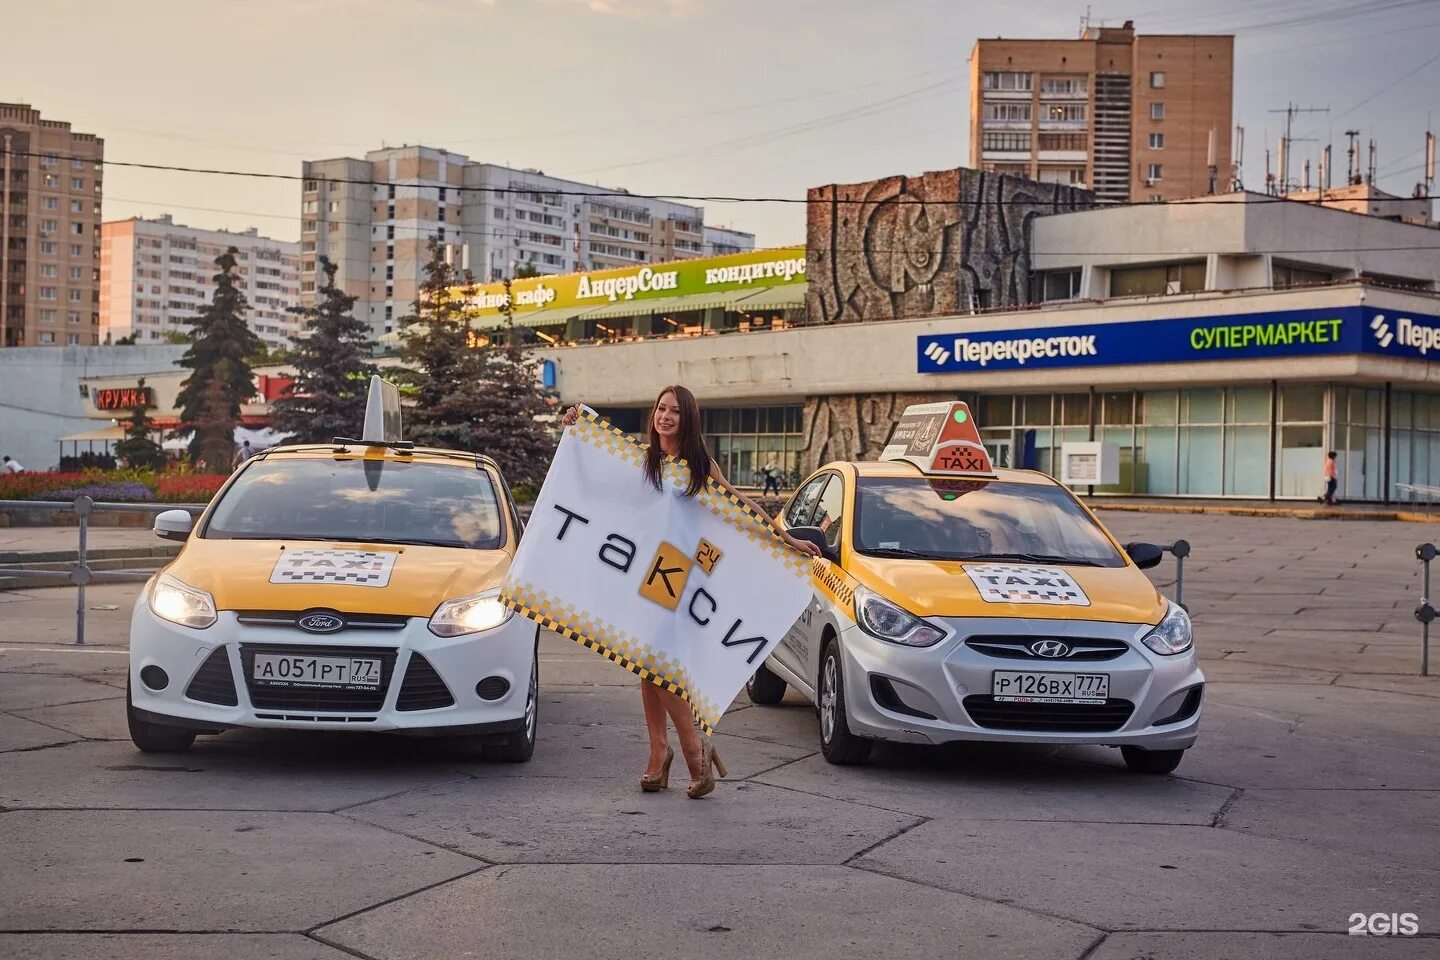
(663, 305)
(534, 318)
(775, 298)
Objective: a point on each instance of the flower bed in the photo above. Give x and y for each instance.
(112, 486)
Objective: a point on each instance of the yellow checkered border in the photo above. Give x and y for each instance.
(835, 583)
(721, 502)
(618, 647)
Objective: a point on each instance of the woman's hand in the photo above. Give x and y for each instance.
(804, 546)
(570, 416)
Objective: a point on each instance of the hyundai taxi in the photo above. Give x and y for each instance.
(343, 586)
(955, 601)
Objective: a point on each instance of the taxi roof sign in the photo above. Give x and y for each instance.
(941, 439)
(382, 413)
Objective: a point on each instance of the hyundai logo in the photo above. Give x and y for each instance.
(1050, 649)
(321, 622)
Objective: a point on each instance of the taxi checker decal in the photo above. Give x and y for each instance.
(1009, 583)
(835, 584)
(360, 568)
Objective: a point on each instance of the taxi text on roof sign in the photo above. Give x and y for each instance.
(941, 439)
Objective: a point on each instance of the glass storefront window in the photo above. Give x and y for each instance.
(1117, 408)
(1301, 460)
(1202, 405)
(1158, 456)
(1299, 404)
(1075, 409)
(1036, 410)
(1248, 405)
(997, 411)
(744, 439)
(1200, 459)
(1158, 407)
(1247, 464)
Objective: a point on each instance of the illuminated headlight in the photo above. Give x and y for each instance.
(1173, 634)
(455, 618)
(881, 618)
(174, 601)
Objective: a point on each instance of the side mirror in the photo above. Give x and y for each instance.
(816, 536)
(174, 525)
(1145, 555)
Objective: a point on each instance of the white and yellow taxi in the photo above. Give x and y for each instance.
(954, 601)
(344, 586)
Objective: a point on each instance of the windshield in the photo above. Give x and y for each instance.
(373, 501)
(989, 519)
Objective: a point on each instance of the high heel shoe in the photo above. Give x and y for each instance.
(655, 782)
(710, 764)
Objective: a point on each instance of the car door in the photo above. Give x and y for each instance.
(791, 650)
(829, 516)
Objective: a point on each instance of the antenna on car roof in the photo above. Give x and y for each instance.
(382, 418)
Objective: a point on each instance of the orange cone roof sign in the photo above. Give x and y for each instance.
(941, 439)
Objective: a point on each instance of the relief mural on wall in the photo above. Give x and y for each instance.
(949, 241)
(853, 426)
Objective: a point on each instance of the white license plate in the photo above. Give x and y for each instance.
(340, 672)
(1020, 687)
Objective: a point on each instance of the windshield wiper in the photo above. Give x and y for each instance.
(403, 541)
(899, 554)
(1034, 558)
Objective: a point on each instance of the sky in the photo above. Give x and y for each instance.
(715, 98)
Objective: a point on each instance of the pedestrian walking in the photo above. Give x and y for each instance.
(675, 431)
(772, 479)
(11, 466)
(1332, 478)
(244, 453)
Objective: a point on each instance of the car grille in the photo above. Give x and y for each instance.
(213, 682)
(316, 698)
(1018, 648)
(987, 712)
(353, 621)
(423, 689)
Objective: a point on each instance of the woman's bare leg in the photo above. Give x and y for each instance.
(690, 743)
(655, 718)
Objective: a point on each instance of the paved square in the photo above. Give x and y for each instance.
(1313, 794)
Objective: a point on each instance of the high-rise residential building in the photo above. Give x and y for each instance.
(154, 274)
(722, 240)
(1132, 117)
(50, 179)
(374, 218)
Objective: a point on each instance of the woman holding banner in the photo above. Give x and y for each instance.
(675, 432)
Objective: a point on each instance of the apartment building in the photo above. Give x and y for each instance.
(1135, 118)
(720, 241)
(374, 218)
(50, 189)
(155, 274)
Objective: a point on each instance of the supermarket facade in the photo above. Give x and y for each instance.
(1222, 346)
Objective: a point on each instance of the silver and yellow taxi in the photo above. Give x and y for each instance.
(955, 601)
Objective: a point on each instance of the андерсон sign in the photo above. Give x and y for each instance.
(1291, 333)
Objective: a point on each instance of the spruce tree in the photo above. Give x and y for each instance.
(220, 376)
(137, 449)
(332, 369)
(508, 428)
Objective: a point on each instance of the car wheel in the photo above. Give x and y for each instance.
(765, 688)
(519, 746)
(1141, 760)
(155, 737)
(836, 741)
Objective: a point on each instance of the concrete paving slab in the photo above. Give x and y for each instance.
(1296, 760)
(94, 720)
(603, 912)
(47, 617)
(101, 664)
(793, 723)
(224, 872)
(213, 775)
(1270, 946)
(165, 946)
(1230, 880)
(18, 733)
(1238, 671)
(1400, 826)
(612, 821)
(1005, 782)
(1411, 686)
(20, 691)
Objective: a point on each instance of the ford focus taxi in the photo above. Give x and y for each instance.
(955, 601)
(344, 586)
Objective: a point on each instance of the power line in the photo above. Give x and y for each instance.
(1396, 82)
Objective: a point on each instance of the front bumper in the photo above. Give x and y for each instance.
(207, 687)
(888, 687)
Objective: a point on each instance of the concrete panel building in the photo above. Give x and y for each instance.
(50, 190)
(154, 274)
(1130, 116)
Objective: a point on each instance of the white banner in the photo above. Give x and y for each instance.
(691, 593)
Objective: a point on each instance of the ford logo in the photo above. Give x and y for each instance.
(321, 622)
(1050, 649)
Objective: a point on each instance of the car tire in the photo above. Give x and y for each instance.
(518, 747)
(837, 743)
(154, 737)
(1157, 762)
(765, 688)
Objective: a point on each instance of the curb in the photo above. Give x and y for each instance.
(1296, 513)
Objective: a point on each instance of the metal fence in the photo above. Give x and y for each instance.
(80, 573)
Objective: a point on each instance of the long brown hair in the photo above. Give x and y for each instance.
(692, 442)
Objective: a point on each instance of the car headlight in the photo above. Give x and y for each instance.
(483, 611)
(180, 603)
(883, 619)
(1172, 635)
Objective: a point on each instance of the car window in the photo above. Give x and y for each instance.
(977, 519)
(799, 513)
(384, 501)
(832, 506)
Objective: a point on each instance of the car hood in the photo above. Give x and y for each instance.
(935, 588)
(238, 574)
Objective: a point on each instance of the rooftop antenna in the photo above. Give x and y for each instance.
(1429, 162)
(1305, 182)
(1269, 177)
(1287, 139)
(1352, 171)
(1370, 177)
(1211, 161)
(1239, 158)
(1323, 180)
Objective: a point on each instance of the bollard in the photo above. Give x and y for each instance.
(1425, 612)
(1181, 550)
(80, 573)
